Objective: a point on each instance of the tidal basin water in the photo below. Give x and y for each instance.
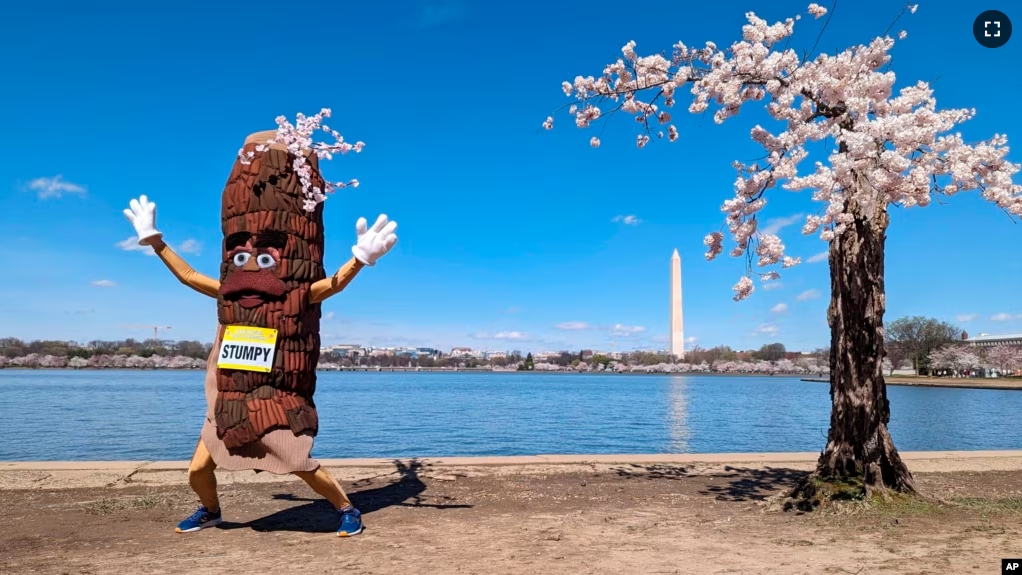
(156, 415)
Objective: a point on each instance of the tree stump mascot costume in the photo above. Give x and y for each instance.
(261, 374)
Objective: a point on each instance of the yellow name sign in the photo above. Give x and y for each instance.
(247, 348)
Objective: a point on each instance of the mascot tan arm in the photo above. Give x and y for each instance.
(371, 245)
(142, 215)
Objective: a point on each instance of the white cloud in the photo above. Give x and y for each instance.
(808, 295)
(691, 339)
(102, 283)
(774, 225)
(1005, 317)
(131, 245)
(767, 330)
(629, 220)
(771, 285)
(190, 246)
(820, 257)
(55, 187)
(626, 330)
(965, 317)
(780, 308)
(510, 335)
(186, 247)
(572, 325)
(328, 315)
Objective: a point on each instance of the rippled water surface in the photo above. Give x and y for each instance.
(147, 415)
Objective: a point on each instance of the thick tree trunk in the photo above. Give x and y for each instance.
(265, 196)
(860, 458)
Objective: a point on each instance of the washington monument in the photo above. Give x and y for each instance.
(677, 322)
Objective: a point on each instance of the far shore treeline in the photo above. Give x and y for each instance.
(924, 345)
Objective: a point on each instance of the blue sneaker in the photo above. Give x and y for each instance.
(199, 520)
(351, 522)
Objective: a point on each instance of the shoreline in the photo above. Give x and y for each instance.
(521, 460)
(55, 476)
(1012, 384)
(910, 381)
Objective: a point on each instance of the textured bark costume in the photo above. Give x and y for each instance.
(263, 215)
(261, 376)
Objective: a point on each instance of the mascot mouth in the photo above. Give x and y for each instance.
(249, 299)
(252, 289)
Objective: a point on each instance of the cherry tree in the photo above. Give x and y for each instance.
(887, 149)
(786, 366)
(1004, 358)
(954, 358)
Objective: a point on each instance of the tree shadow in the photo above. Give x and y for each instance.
(753, 484)
(656, 471)
(319, 516)
(742, 484)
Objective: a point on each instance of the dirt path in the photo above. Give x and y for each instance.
(551, 519)
(969, 382)
(962, 382)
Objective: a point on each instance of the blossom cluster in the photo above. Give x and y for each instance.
(34, 360)
(783, 366)
(298, 140)
(891, 148)
(954, 357)
(958, 358)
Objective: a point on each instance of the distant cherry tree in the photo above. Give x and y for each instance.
(889, 149)
(1004, 358)
(954, 358)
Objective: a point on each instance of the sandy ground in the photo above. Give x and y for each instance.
(969, 382)
(966, 382)
(429, 517)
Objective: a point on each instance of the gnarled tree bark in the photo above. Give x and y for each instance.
(860, 459)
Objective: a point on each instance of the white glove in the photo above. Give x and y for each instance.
(372, 243)
(142, 215)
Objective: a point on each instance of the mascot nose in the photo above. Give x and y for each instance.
(250, 265)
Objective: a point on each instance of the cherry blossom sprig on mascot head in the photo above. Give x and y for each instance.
(900, 144)
(298, 139)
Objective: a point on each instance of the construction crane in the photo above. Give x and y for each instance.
(156, 330)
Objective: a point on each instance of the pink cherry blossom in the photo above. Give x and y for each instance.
(298, 140)
(899, 143)
(1004, 358)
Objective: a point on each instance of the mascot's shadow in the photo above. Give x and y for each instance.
(318, 516)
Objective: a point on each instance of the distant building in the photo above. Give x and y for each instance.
(417, 352)
(987, 340)
(348, 350)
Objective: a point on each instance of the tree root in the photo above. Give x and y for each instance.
(817, 492)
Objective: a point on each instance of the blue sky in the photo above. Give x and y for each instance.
(508, 234)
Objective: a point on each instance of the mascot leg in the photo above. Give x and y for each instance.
(324, 484)
(202, 478)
